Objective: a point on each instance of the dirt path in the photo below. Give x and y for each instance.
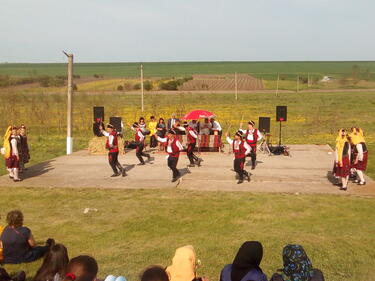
(304, 172)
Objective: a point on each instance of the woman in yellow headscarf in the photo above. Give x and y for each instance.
(342, 159)
(6, 144)
(360, 155)
(183, 266)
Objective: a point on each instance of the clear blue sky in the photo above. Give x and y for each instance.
(186, 30)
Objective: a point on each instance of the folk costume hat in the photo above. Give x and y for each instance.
(135, 125)
(110, 126)
(171, 131)
(239, 133)
(252, 123)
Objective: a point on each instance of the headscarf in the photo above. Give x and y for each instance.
(183, 264)
(357, 136)
(297, 265)
(6, 144)
(248, 257)
(340, 144)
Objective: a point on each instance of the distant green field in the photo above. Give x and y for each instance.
(169, 69)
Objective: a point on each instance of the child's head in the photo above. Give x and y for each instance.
(15, 218)
(82, 268)
(154, 273)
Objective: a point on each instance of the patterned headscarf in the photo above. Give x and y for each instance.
(297, 266)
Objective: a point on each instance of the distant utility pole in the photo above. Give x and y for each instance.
(297, 83)
(235, 86)
(142, 88)
(277, 84)
(69, 133)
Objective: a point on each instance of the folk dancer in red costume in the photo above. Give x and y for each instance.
(240, 149)
(192, 137)
(112, 146)
(140, 141)
(12, 156)
(173, 149)
(360, 155)
(252, 136)
(342, 159)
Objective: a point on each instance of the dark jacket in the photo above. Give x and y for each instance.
(318, 276)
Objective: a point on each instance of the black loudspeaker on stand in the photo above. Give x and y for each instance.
(117, 123)
(281, 116)
(99, 113)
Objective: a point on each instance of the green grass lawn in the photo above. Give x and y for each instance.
(136, 228)
(169, 69)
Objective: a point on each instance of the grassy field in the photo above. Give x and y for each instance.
(169, 69)
(134, 229)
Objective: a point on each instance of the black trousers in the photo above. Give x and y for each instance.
(114, 163)
(153, 141)
(172, 164)
(190, 153)
(139, 152)
(253, 155)
(239, 167)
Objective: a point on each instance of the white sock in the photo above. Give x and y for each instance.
(15, 173)
(10, 172)
(360, 175)
(345, 181)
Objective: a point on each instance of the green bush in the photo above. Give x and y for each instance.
(137, 86)
(120, 88)
(169, 86)
(148, 85)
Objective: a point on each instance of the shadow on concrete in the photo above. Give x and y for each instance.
(128, 167)
(38, 170)
(184, 172)
(331, 178)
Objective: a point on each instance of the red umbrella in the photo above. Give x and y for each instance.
(197, 114)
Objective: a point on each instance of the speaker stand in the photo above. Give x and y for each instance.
(280, 134)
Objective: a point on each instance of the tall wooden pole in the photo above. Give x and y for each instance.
(277, 84)
(297, 83)
(69, 132)
(142, 88)
(235, 86)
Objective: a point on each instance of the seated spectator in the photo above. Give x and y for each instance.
(4, 276)
(81, 268)
(194, 124)
(205, 127)
(114, 278)
(54, 264)
(216, 127)
(183, 266)
(154, 273)
(246, 264)
(297, 266)
(18, 242)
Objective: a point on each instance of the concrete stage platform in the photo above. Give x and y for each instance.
(306, 171)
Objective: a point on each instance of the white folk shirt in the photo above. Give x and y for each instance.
(169, 148)
(13, 143)
(250, 136)
(237, 145)
(110, 137)
(216, 126)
